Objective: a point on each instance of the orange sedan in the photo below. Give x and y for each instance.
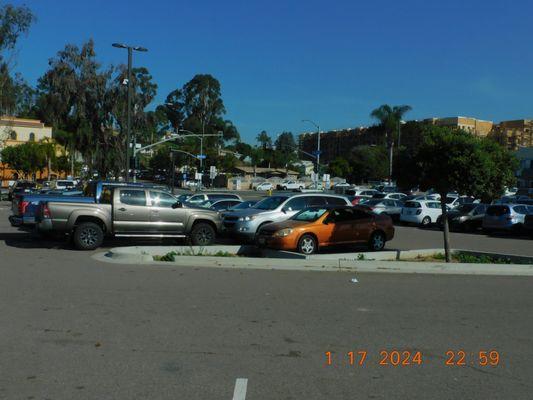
(316, 227)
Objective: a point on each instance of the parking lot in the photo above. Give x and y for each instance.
(77, 328)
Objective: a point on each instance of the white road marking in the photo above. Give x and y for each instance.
(240, 389)
(354, 280)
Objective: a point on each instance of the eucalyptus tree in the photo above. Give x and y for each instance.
(14, 22)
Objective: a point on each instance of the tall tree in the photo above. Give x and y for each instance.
(198, 107)
(264, 140)
(454, 160)
(286, 149)
(14, 22)
(202, 100)
(143, 92)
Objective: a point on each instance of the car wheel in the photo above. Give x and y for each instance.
(88, 236)
(284, 187)
(377, 241)
(300, 188)
(426, 221)
(202, 234)
(307, 245)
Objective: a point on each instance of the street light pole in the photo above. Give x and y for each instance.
(128, 128)
(317, 150)
(128, 119)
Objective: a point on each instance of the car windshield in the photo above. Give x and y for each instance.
(310, 214)
(183, 197)
(412, 204)
(466, 208)
(243, 205)
(379, 195)
(450, 199)
(373, 202)
(270, 203)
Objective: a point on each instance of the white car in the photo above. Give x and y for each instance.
(392, 196)
(264, 186)
(65, 184)
(341, 184)
(421, 212)
(290, 185)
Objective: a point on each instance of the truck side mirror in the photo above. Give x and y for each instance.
(177, 204)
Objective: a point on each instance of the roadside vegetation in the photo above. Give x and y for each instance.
(171, 256)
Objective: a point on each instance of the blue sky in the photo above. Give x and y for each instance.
(281, 61)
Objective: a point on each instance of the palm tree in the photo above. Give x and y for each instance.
(390, 119)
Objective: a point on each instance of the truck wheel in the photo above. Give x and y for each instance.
(202, 234)
(88, 236)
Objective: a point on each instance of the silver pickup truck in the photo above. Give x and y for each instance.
(129, 212)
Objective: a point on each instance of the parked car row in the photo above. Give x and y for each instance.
(304, 222)
(121, 210)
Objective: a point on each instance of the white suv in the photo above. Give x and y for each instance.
(421, 212)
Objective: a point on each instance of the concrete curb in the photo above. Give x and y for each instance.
(143, 255)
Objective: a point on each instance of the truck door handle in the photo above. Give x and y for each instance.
(122, 209)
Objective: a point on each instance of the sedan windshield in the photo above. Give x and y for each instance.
(243, 205)
(270, 203)
(466, 208)
(309, 214)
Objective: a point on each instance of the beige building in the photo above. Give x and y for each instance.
(514, 134)
(15, 131)
(475, 126)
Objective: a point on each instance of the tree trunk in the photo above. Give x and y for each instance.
(49, 167)
(445, 229)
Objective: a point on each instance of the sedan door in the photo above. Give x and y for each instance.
(164, 218)
(130, 211)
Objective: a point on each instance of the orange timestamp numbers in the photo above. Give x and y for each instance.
(404, 358)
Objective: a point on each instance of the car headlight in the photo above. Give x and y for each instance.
(247, 218)
(283, 232)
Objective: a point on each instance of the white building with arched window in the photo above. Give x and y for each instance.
(15, 131)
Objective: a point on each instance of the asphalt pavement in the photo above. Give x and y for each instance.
(74, 328)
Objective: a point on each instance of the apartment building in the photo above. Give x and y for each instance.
(475, 126)
(514, 134)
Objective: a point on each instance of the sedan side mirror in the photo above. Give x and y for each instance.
(177, 204)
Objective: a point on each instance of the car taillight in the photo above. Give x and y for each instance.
(22, 206)
(418, 212)
(46, 212)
